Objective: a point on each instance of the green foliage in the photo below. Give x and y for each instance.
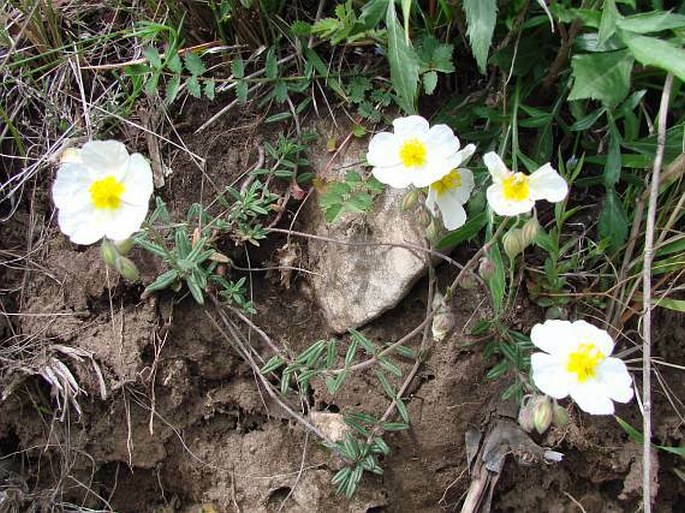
(481, 16)
(352, 194)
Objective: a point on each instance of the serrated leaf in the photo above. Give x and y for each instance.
(430, 81)
(404, 66)
(174, 64)
(172, 88)
(613, 221)
(648, 22)
(271, 65)
(209, 89)
(241, 92)
(481, 17)
(651, 51)
(152, 55)
(238, 68)
(193, 87)
(194, 64)
(601, 76)
(150, 87)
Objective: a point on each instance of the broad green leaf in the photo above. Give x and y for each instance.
(481, 17)
(194, 64)
(601, 76)
(238, 68)
(651, 51)
(404, 66)
(152, 55)
(613, 222)
(430, 81)
(607, 25)
(209, 89)
(655, 21)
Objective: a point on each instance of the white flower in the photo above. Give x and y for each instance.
(415, 154)
(516, 193)
(101, 191)
(576, 362)
(449, 195)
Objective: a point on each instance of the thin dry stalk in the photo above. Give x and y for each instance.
(647, 298)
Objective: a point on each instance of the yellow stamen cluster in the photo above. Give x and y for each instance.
(413, 153)
(515, 187)
(452, 180)
(106, 193)
(584, 361)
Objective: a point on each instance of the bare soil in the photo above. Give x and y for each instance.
(181, 425)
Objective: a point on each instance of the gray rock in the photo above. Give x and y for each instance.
(357, 281)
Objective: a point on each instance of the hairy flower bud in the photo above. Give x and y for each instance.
(542, 413)
(529, 231)
(124, 246)
(110, 253)
(513, 244)
(486, 268)
(127, 268)
(410, 200)
(432, 231)
(560, 417)
(525, 417)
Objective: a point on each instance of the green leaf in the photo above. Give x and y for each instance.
(651, 51)
(430, 81)
(174, 64)
(470, 229)
(654, 21)
(613, 222)
(612, 169)
(271, 66)
(402, 410)
(274, 363)
(241, 92)
(601, 76)
(481, 17)
(172, 88)
(150, 87)
(209, 89)
(152, 55)
(404, 66)
(395, 426)
(195, 289)
(194, 64)
(321, 68)
(193, 87)
(391, 367)
(238, 68)
(163, 281)
(677, 305)
(496, 283)
(607, 25)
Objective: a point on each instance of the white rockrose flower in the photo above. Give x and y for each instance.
(515, 193)
(449, 194)
(101, 191)
(415, 153)
(577, 362)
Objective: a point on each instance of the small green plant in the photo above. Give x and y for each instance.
(352, 194)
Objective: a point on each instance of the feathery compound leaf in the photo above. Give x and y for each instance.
(481, 16)
(404, 65)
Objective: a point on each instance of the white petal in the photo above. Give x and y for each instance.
(395, 176)
(411, 126)
(453, 213)
(71, 185)
(614, 374)
(587, 333)
(554, 337)
(547, 184)
(457, 159)
(80, 226)
(105, 158)
(549, 375)
(434, 170)
(430, 201)
(127, 221)
(497, 169)
(591, 396)
(466, 153)
(503, 206)
(384, 150)
(137, 181)
(463, 193)
(442, 141)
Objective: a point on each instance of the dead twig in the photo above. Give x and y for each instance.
(647, 298)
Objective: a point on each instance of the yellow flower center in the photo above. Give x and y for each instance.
(451, 180)
(516, 187)
(584, 361)
(413, 153)
(106, 193)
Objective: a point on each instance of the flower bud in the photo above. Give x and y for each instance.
(432, 230)
(529, 231)
(410, 200)
(124, 246)
(542, 413)
(525, 417)
(109, 252)
(468, 281)
(560, 416)
(512, 241)
(424, 217)
(127, 268)
(486, 268)
(443, 318)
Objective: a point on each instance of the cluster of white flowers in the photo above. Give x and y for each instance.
(423, 156)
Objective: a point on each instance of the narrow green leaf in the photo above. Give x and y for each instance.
(613, 221)
(271, 66)
(601, 76)
(404, 65)
(395, 426)
(391, 367)
(496, 283)
(387, 388)
(481, 17)
(172, 88)
(402, 410)
(612, 169)
(274, 363)
(651, 51)
(241, 91)
(607, 25)
(195, 289)
(163, 281)
(655, 21)
(677, 305)
(470, 229)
